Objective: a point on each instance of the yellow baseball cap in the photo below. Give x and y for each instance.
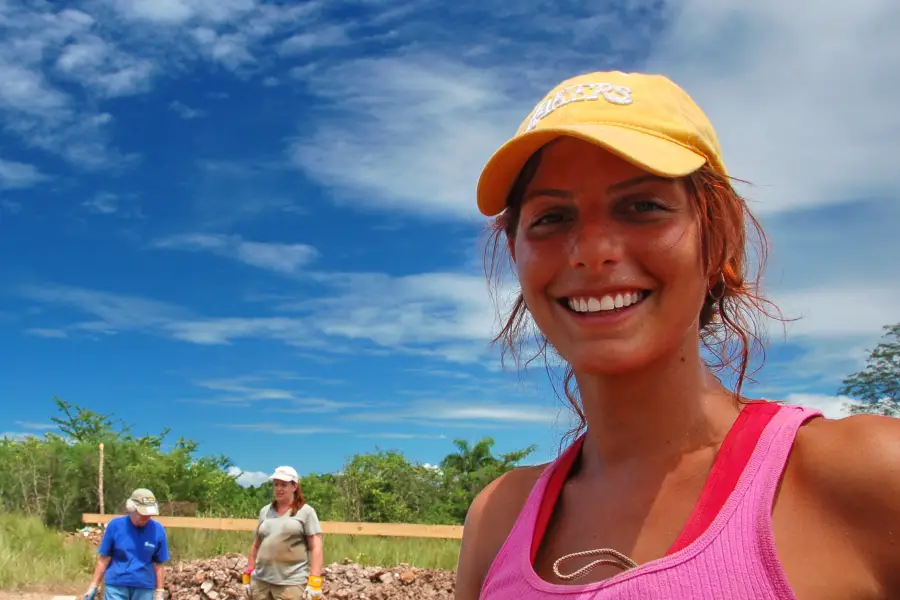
(645, 119)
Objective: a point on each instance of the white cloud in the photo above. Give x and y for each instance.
(103, 68)
(833, 407)
(797, 92)
(248, 478)
(17, 175)
(59, 66)
(419, 129)
(333, 35)
(281, 258)
(839, 312)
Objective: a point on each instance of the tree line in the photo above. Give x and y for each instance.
(54, 477)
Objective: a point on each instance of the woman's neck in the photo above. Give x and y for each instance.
(282, 507)
(656, 414)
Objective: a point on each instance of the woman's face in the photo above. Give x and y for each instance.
(608, 258)
(284, 490)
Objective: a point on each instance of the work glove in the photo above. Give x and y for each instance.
(159, 594)
(245, 580)
(89, 595)
(313, 587)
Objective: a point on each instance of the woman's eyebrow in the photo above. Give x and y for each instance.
(552, 192)
(617, 187)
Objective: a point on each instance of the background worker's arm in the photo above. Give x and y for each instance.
(160, 571)
(99, 570)
(251, 563)
(316, 554)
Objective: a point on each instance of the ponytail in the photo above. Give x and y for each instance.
(299, 501)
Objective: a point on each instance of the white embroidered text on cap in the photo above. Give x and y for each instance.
(614, 94)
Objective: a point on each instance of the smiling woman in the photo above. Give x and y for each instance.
(631, 249)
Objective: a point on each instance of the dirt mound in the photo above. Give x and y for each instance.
(220, 579)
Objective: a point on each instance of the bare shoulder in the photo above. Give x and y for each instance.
(851, 469)
(850, 456)
(488, 522)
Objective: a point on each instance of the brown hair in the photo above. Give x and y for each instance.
(298, 502)
(729, 326)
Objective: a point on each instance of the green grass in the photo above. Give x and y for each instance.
(186, 544)
(32, 556)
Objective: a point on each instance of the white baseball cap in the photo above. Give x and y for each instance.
(284, 474)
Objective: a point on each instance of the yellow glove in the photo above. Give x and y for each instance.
(314, 587)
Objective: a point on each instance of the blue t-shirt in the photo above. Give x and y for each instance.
(133, 550)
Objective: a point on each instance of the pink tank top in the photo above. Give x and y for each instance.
(734, 557)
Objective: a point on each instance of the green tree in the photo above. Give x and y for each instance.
(877, 386)
(467, 472)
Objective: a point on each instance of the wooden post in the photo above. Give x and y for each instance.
(100, 480)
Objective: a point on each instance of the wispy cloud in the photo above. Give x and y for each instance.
(278, 257)
(427, 155)
(445, 411)
(247, 390)
(113, 312)
(47, 333)
(402, 436)
(16, 175)
(444, 315)
(332, 35)
(281, 429)
(186, 112)
(36, 426)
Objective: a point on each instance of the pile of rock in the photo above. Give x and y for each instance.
(93, 535)
(220, 579)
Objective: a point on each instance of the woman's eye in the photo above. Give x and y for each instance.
(548, 219)
(643, 206)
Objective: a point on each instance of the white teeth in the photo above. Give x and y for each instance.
(605, 303)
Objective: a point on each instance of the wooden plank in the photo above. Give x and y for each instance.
(452, 532)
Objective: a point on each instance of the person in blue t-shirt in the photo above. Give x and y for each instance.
(132, 553)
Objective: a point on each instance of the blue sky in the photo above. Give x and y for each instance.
(254, 222)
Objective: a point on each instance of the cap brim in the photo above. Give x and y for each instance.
(652, 153)
(282, 478)
(147, 511)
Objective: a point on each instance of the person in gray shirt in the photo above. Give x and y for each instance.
(286, 558)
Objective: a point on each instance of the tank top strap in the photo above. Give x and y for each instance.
(770, 458)
(520, 536)
(768, 464)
